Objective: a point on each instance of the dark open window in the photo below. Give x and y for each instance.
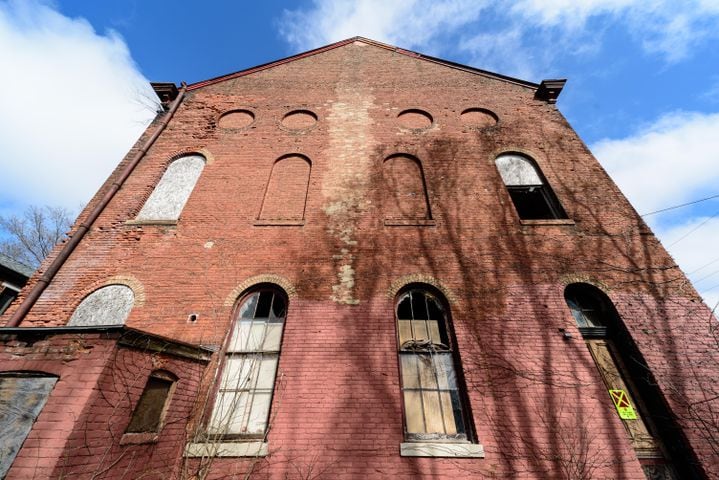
(433, 394)
(247, 381)
(530, 193)
(150, 410)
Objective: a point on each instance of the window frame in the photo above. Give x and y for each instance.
(149, 218)
(601, 338)
(551, 201)
(469, 436)
(151, 436)
(223, 365)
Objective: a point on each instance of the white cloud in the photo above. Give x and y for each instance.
(672, 161)
(665, 27)
(510, 38)
(73, 102)
(693, 244)
(409, 23)
(668, 163)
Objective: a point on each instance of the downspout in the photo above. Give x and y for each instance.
(84, 227)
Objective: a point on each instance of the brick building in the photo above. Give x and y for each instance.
(359, 262)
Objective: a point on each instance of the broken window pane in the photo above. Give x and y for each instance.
(147, 416)
(531, 196)
(532, 203)
(429, 382)
(250, 366)
(263, 306)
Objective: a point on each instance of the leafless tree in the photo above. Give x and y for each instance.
(31, 236)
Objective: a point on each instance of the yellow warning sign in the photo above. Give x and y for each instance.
(624, 407)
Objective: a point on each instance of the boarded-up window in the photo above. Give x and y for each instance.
(150, 410)
(286, 192)
(433, 399)
(532, 197)
(21, 400)
(173, 190)
(249, 367)
(108, 305)
(405, 191)
(597, 320)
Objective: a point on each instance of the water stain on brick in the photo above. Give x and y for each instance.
(346, 183)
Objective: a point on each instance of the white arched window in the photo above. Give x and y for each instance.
(108, 305)
(249, 366)
(530, 193)
(173, 190)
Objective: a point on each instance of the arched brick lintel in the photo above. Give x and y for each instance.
(278, 280)
(404, 280)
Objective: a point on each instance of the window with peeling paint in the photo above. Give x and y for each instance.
(249, 367)
(22, 397)
(150, 410)
(531, 195)
(433, 395)
(405, 190)
(286, 191)
(110, 305)
(171, 193)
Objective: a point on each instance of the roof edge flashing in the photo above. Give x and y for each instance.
(549, 90)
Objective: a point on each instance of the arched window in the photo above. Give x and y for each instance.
(405, 189)
(249, 366)
(108, 305)
(173, 190)
(598, 323)
(434, 399)
(286, 192)
(530, 193)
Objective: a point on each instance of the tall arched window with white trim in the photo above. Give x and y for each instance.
(171, 193)
(249, 366)
(531, 195)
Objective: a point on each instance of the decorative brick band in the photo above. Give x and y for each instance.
(581, 278)
(128, 280)
(421, 278)
(256, 280)
(209, 158)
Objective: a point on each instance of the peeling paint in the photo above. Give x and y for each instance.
(345, 186)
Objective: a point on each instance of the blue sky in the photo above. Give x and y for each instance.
(643, 89)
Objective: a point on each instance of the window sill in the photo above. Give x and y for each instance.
(551, 221)
(446, 450)
(138, 438)
(279, 223)
(227, 449)
(152, 222)
(409, 222)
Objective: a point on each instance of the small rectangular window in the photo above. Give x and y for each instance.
(150, 409)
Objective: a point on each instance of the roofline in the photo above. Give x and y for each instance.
(332, 46)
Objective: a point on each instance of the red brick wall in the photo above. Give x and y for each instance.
(78, 432)
(534, 396)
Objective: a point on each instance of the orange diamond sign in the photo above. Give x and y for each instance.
(624, 407)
